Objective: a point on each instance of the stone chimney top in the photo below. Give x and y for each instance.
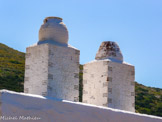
(109, 50)
(53, 31)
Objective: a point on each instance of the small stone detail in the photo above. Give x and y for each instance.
(105, 63)
(50, 64)
(105, 84)
(110, 90)
(105, 73)
(50, 76)
(26, 90)
(44, 93)
(84, 81)
(92, 75)
(44, 82)
(76, 87)
(132, 83)
(109, 68)
(92, 97)
(77, 52)
(27, 67)
(27, 55)
(105, 104)
(77, 63)
(26, 79)
(76, 99)
(109, 100)
(85, 92)
(133, 104)
(84, 101)
(132, 73)
(76, 75)
(49, 88)
(132, 94)
(105, 95)
(50, 53)
(109, 79)
(84, 70)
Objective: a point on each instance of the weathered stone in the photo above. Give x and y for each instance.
(109, 50)
(110, 90)
(105, 94)
(76, 87)
(26, 79)
(109, 79)
(112, 81)
(85, 101)
(85, 92)
(76, 99)
(27, 55)
(44, 93)
(27, 67)
(105, 84)
(84, 81)
(50, 76)
(76, 75)
(132, 94)
(109, 100)
(109, 68)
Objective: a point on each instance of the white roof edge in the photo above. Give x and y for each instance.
(78, 103)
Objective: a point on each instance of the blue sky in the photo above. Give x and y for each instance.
(136, 25)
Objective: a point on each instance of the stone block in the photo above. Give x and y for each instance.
(111, 80)
(52, 72)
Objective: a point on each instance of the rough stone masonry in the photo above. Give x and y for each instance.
(108, 81)
(52, 65)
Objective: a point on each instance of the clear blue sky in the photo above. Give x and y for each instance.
(136, 25)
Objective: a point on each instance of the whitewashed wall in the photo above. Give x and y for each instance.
(95, 84)
(52, 70)
(21, 107)
(63, 71)
(108, 83)
(36, 69)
